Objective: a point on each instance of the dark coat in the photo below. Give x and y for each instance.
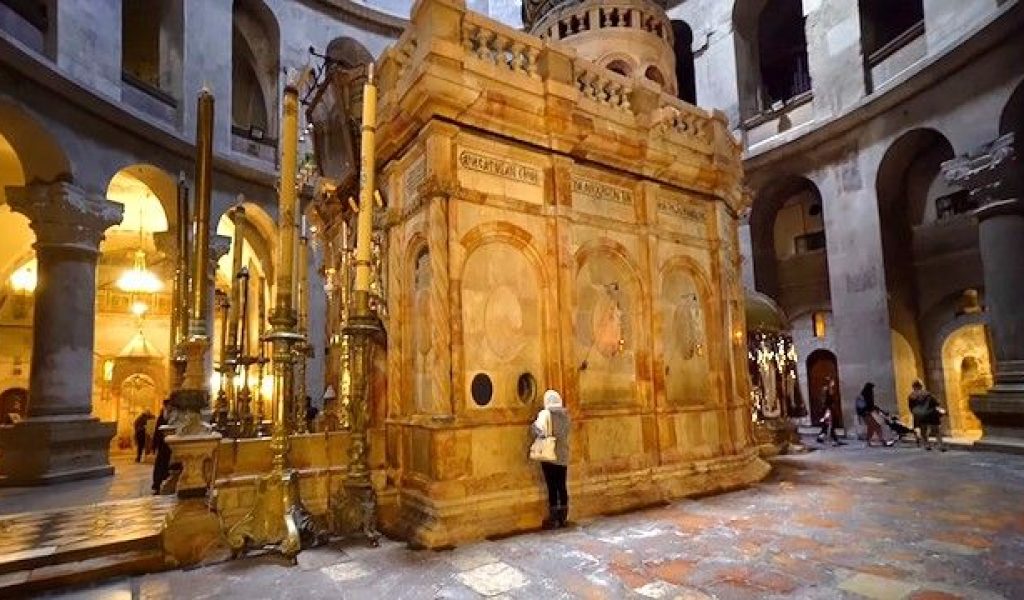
(929, 414)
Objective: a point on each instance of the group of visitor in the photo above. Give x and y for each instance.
(925, 408)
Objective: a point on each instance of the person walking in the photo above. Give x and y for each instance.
(927, 415)
(140, 433)
(553, 421)
(828, 404)
(162, 463)
(867, 411)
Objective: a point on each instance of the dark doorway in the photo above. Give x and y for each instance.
(13, 401)
(821, 365)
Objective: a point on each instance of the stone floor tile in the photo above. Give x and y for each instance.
(877, 588)
(346, 571)
(493, 579)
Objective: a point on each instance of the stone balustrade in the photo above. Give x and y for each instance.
(547, 85)
(500, 46)
(594, 16)
(676, 117)
(602, 86)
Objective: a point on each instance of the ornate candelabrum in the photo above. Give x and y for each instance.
(246, 425)
(277, 516)
(222, 409)
(356, 511)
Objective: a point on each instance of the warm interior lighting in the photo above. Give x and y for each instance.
(139, 279)
(108, 370)
(24, 280)
(139, 308)
(819, 325)
(215, 381)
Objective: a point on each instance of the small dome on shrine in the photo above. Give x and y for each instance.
(763, 314)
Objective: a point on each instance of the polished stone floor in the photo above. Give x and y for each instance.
(837, 523)
(130, 480)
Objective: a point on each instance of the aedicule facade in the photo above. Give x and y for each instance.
(552, 224)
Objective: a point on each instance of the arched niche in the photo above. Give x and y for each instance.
(685, 330)
(502, 314)
(607, 325)
(967, 371)
(771, 53)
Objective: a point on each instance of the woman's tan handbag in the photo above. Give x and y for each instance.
(543, 448)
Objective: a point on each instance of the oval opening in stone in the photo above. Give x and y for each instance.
(526, 388)
(481, 389)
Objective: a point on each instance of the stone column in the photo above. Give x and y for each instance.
(61, 440)
(994, 176)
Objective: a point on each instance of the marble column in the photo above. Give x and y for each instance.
(61, 440)
(994, 176)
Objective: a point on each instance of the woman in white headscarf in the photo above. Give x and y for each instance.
(553, 420)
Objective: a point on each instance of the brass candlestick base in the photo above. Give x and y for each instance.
(278, 519)
(355, 512)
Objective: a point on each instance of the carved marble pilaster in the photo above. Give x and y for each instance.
(61, 440)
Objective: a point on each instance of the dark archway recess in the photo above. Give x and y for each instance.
(685, 73)
(1012, 118)
(904, 175)
(821, 366)
(782, 50)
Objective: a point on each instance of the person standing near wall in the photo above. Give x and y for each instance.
(553, 422)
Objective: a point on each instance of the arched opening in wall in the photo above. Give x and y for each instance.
(892, 37)
(789, 246)
(25, 150)
(654, 74)
(920, 241)
(782, 53)
(255, 67)
(133, 293)
(823, 379)
(621, 67)
(151, 49)
(685, 73)
(31, 22)
(1012, 118)
(967, 370)
(13, 405)
(243, 283)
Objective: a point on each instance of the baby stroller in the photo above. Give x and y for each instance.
(898, 427)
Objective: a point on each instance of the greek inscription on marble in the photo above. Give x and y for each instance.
(680, 210)
(601, 191)
(501, 168)
(414, 176)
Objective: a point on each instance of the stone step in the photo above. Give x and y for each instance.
(37, 547)
(80, 572)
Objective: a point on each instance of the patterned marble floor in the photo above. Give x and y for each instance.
(839, 523)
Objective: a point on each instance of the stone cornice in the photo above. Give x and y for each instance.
(382, 22)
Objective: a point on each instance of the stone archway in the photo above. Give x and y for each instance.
(822, 366)
(967, 370)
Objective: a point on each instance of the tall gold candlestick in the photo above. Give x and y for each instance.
(204, 189)
(357, 512)
(272, 520)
